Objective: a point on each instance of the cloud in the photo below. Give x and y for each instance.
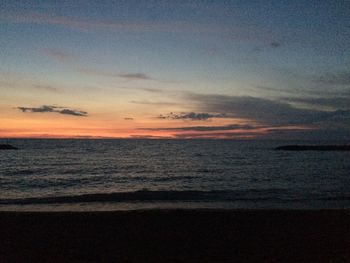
(125, 76)
(145, 89)
(46, 88)
(316, 85)
(128, 76)
(152, 90)
(332, 102)
(314, 95)
(134, 76)
(128, 119)
(263, 132)
(265, 111)
(193, 116)
(84, 24)
(230, 127)
(54, 109)
(251, 33)
(43, 108)
(219, 135)
(59, 55)
(275, 44)
(334, 79)
(157, 103)
(146, 136)
(73, 112)
(68, 58)
(231, 131)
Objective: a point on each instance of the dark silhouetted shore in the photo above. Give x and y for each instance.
(176, 236)
(314, 148)
(7, 147)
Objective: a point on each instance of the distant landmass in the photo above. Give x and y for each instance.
(7, 147)
(314, 148)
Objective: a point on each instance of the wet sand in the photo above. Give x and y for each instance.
(176, 236)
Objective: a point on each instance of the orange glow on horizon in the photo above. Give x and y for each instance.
(130, 133)
(17, 124)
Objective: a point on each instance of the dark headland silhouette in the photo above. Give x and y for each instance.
(7, 147)
(314, 148)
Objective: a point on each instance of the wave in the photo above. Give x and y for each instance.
(145, 195)
(142, 195)
(19, 172)
(279, 195)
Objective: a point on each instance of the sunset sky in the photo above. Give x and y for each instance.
(175, 69)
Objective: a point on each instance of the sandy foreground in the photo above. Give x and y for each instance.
(176, 236)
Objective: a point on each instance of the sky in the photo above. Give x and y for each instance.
(175, 69)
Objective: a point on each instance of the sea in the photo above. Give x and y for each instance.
(132, 174)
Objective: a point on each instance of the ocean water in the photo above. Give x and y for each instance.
(83, 175)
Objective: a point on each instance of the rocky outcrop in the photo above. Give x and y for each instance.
(7, 147)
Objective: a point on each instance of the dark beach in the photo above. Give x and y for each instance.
(176, 236)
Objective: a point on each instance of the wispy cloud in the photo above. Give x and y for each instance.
(331, 102)
(252, 33)
(125, 76)
(59, 55)
(147, 136)
(134, 76)
(336, 84)
(128, 119)
(283, 132)
(156, 103)
(342, 78)
(231, 127)
(84, 24)
(46, 88)
(218, 135)
(54, 109)
(319, 91)
(231, 131)
(70, 59)
(193, 116)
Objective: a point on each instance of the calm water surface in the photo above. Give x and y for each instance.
(138, 174)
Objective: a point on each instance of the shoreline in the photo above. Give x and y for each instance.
(176, 235)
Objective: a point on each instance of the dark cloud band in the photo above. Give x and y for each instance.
(54, 109)
(266, 111)
(193, 116)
